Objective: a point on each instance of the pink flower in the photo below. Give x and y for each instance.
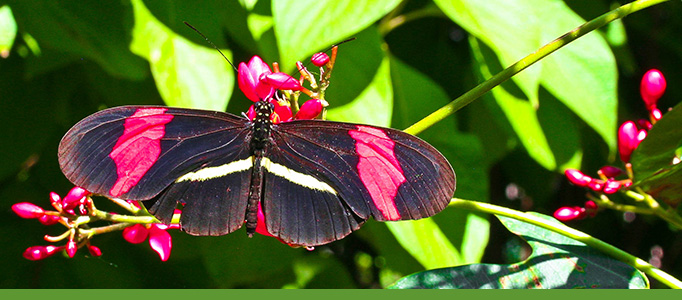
(251, 79)
(281, 113)
(652, 87)
(578, 178)
(627, 140)
(28, 210)
(282, 81)
(311, 109)
(41, 252)
(320, 59)
(159, 239)
(569, 213)
(135, 234)
(260, 226)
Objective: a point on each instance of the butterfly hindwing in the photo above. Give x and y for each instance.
(366, 170)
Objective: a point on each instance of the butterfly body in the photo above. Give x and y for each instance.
(316, 181)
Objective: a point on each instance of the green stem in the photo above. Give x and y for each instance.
(669, 216)
(527, 61)
(600, 245)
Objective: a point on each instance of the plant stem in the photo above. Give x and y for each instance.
(598, 244)
(527, 61)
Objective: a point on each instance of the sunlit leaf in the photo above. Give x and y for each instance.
(582, 75)
(186, 74)
(305, 26)
(8, 30)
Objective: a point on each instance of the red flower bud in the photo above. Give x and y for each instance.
(652, 87)
(591, 208)
(71, 248)
(56, 201)
(610, 171)
(656, 114)
(627, 140)
(320, 59)
(41, 252)
(642, 123)
(135, 234)
(76, 196)
(160, 241)
(28, 210)
(578, 178)
(311, 109)
(569, 213)
(94, 251)
(596, 185)
(611, 186)
(48, 220)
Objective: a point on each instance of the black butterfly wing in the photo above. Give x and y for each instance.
(141, 152)
(340, 174)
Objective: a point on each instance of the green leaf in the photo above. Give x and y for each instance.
(519, 112)
(652, 160)
(581, 75)
(556, 262)
(187, 75)
(424, 240)
(373, 106)
(97, 31)
(467, 231)
(8, 30)
(306, 26)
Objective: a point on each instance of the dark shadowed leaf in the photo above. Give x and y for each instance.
(652, 160)
(556, 262)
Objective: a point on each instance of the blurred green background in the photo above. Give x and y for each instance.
(63, 60)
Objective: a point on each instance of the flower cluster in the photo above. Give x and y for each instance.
(77, 211)
(630, 134)
(258, 82)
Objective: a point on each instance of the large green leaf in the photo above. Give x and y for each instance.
(305, 26)
(186, 74)
(549, 134)
(8, 30)
(581, 75)
(97, 31)
(556, 262)
(652, 161)
(373, 106)
(465, 235)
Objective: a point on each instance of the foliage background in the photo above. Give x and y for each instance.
(70, 59)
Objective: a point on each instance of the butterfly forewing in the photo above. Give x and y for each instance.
(135, 152)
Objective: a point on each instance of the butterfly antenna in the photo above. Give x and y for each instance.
(212, 44)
